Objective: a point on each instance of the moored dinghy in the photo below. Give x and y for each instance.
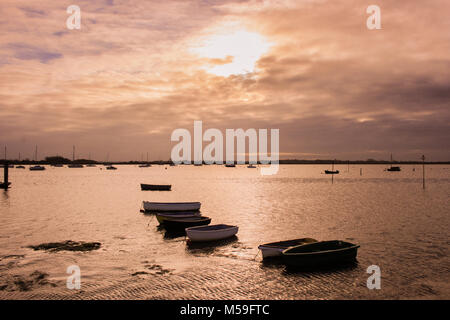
(156, 187)
(211, 233)
(161, 217)
(180, 224)
(323, 253)
(37, 168)
(170, 206)
(275, 249)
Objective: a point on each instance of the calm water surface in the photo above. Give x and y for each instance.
(401, 228)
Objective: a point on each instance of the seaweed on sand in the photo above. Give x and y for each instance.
(68, 245)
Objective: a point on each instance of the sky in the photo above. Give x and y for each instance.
(138, 70)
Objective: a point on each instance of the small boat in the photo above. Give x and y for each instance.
(230, 165)
(156, 187)
(20, 167)
(393, 168)
(161, 217)
(180, 224)
(90, 165)
(58, 165)
(171, 206)
(211, 233)
(147, 165)
(332, 171)
(3, 185)
(323, 253)
(37, 168)
(111, 168)
(75, 165)
(274, 249)
(251, 166)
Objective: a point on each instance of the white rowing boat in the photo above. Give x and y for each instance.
(171, 206)
(211, 233)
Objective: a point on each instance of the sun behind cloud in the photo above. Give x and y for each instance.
(236, 52)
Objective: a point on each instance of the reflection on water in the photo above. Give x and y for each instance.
(210, 247)
(323, 270)
(401, 228)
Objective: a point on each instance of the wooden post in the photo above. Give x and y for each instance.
(360, 171)
(423, 171)
(5, 175)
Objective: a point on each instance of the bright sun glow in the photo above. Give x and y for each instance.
(234, 53)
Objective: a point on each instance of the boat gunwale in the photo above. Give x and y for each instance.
(171, 203)
(284, 253)
(188, 219)
(273, 245)
(196, 228)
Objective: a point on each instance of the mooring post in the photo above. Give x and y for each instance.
(423, 171)
(5, 175)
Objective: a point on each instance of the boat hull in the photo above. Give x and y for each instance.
(37, 168)
(331, 172)
(75, 166)
(176, 215)
(202, 234)
(180, 224)
(171, 206)
(336, 254)
(155, 187)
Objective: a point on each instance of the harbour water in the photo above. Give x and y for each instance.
(401, 228)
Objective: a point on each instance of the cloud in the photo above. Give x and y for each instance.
(129, 76)
(23, 51)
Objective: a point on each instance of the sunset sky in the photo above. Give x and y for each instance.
(137, 70)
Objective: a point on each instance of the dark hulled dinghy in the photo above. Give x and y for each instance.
(155, 187)
(36, 168)
(331, 171)
(323, 253)
(275, 249)
(178, 215)
(179, 224)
